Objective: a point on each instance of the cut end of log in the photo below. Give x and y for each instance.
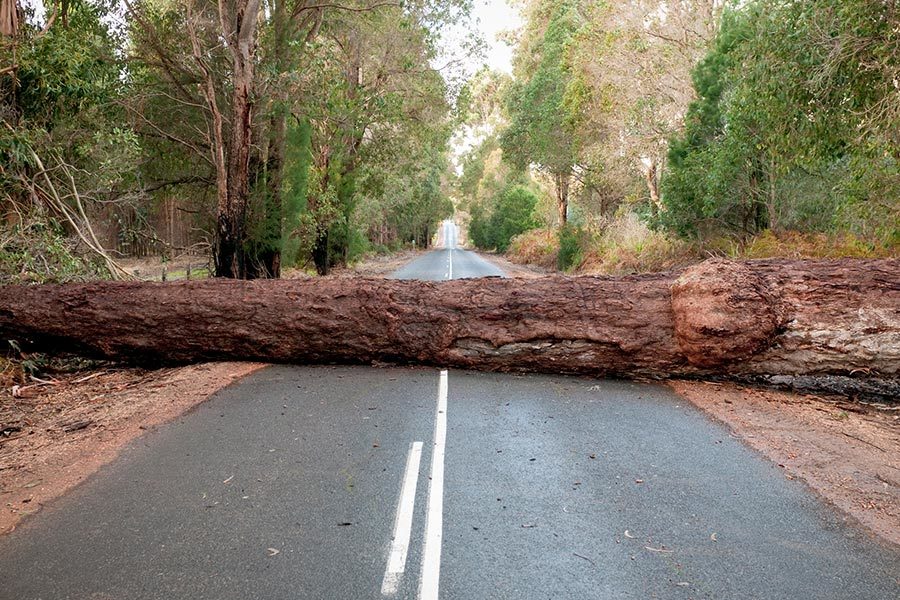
(723, 312)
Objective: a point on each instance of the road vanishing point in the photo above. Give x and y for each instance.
(328, 482)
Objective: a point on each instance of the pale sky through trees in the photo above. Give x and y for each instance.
(492, 18)
(495, 17)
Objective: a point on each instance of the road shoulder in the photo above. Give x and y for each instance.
(55, 436)
(513, 270)
(847, 452)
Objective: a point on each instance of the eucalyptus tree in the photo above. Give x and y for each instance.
(242, 83)
(633, 60)
(382, 92)
(795, 125)
(542, 130)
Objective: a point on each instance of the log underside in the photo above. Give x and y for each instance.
(718, 318)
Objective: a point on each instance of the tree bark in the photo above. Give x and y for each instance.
(9, 18)
(652, 177)
(267, 262)
(716, 318)
(239, 30)
(562, 197)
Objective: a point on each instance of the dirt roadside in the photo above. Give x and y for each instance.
(847, 452)
(52, 437)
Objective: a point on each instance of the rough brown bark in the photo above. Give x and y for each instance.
(719, 317)
(9, 18)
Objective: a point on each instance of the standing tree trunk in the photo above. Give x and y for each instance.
(9, 18)
(561, 181)
(9, 29)
(265, 261)
(652, 176)
(771, 201)
(230, 259)
(303, 25)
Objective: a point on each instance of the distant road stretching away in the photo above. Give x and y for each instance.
(448, 262)
(354, 483)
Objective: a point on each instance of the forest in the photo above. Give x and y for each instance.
(263, 135)
(260, 134)
(645, 134)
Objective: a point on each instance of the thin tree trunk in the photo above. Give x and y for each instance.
(652, 176)
(771, 206)
(267, 261)
(562, 197)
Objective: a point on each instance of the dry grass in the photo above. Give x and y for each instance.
(536, 247)
(627, 245)
(795, 244)
(11, 373)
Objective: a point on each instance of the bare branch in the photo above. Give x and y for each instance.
(342, 7)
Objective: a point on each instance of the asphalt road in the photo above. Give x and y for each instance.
(448, 262)
(359, 482)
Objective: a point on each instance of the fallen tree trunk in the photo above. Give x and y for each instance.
(715, 318)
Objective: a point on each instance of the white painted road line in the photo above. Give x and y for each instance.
(434, 520)
(396, 564)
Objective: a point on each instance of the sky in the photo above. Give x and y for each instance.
(494, 17)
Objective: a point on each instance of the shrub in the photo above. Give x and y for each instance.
(39, 253)
(627, 245)
(512, 214)
(570, 254)
(535, 247)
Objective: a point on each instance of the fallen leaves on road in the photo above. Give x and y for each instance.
(54, 433)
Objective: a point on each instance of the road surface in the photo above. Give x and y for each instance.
(448, 262)
(359, 482)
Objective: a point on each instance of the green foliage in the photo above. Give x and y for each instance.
(571, 239)
(61, 105)
(790, 129)
(511, 213)
(379, 140)
(67, 70)
(543, 102)
(41, 253)
(298, 159)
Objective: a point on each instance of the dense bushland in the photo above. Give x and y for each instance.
(305, 136)
(658, 133)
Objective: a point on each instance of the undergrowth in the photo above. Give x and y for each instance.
(39, 253)
(627, 245)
